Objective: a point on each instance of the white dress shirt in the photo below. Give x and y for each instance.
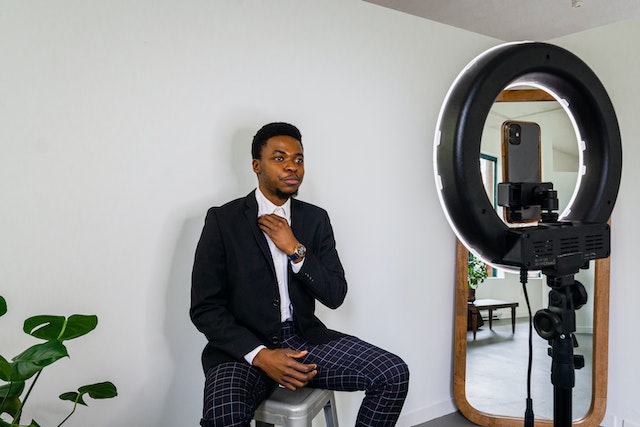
(280, 261)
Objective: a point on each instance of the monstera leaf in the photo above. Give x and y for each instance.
(5, 424)
(14, 389)
(35, 358)
(104, 390)
(5, 369)
(30, 363)
(60, 328)
(10, 396)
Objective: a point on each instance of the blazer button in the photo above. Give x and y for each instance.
(276, 303)
(275, 340)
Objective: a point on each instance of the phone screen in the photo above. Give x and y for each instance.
(521, 162)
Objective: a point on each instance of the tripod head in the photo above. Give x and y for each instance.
(521, 195)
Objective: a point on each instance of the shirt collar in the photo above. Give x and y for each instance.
(266, 207)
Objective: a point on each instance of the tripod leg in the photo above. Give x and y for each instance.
(563, 379)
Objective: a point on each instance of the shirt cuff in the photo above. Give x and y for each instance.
(250, 356)
(296, 266)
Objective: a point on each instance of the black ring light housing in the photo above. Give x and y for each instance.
(457, 152)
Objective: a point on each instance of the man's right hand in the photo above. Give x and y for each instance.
(281, 365)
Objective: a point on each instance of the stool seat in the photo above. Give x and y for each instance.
(296, 408)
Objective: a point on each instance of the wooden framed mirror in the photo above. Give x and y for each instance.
(532, 105)
(596, 411)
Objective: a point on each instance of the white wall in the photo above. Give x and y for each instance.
(123, 121)
(613, 53)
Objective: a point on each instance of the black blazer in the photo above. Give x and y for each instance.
(235, 301)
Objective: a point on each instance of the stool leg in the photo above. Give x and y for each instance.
(330, 414)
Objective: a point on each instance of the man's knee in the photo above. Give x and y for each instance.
(400, 373)
(395, 376)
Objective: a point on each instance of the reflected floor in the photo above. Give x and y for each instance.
(497, 371)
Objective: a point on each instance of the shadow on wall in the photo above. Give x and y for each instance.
(183, 404)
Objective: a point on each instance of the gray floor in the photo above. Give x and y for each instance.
(452, 420)
(496, 374)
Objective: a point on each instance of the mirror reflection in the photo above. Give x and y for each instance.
(498, 329)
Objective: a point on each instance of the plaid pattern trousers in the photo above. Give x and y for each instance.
(234, 390)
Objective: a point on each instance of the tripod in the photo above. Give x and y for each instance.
(557, 324)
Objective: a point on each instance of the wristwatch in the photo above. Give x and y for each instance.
(299, 252)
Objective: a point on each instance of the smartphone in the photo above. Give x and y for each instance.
(521, 162)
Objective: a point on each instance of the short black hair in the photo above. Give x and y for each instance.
(269, 131)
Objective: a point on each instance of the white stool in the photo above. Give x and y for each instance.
(296, 408)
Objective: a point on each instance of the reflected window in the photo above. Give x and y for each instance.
(488, 169)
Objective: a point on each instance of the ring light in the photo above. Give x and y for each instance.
(457, 152)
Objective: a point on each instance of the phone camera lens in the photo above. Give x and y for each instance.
(515, 134)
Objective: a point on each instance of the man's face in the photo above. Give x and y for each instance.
(280, 168)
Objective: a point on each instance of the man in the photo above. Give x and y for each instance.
(261, 263)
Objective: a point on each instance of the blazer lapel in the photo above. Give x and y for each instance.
(297, 219)
(251, 215)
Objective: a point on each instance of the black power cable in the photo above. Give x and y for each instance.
(528, 413)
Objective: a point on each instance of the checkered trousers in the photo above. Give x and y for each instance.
(234, 390)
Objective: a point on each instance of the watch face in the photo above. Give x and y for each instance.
(301, 250)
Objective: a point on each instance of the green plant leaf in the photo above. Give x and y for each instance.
(3, 306)
(5, 369)
(73, 396)
(103, 390)
(33, 359)
(12, 390)
(5, 424)
(44, 327)
(59, 328)
(11, 406)
(10, 398)
(79, 325)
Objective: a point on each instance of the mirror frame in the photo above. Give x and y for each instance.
(600, 357)
(600, 361)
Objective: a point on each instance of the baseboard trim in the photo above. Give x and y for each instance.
(584, 330)
(427, 413)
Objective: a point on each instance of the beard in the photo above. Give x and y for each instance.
(282, 195)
